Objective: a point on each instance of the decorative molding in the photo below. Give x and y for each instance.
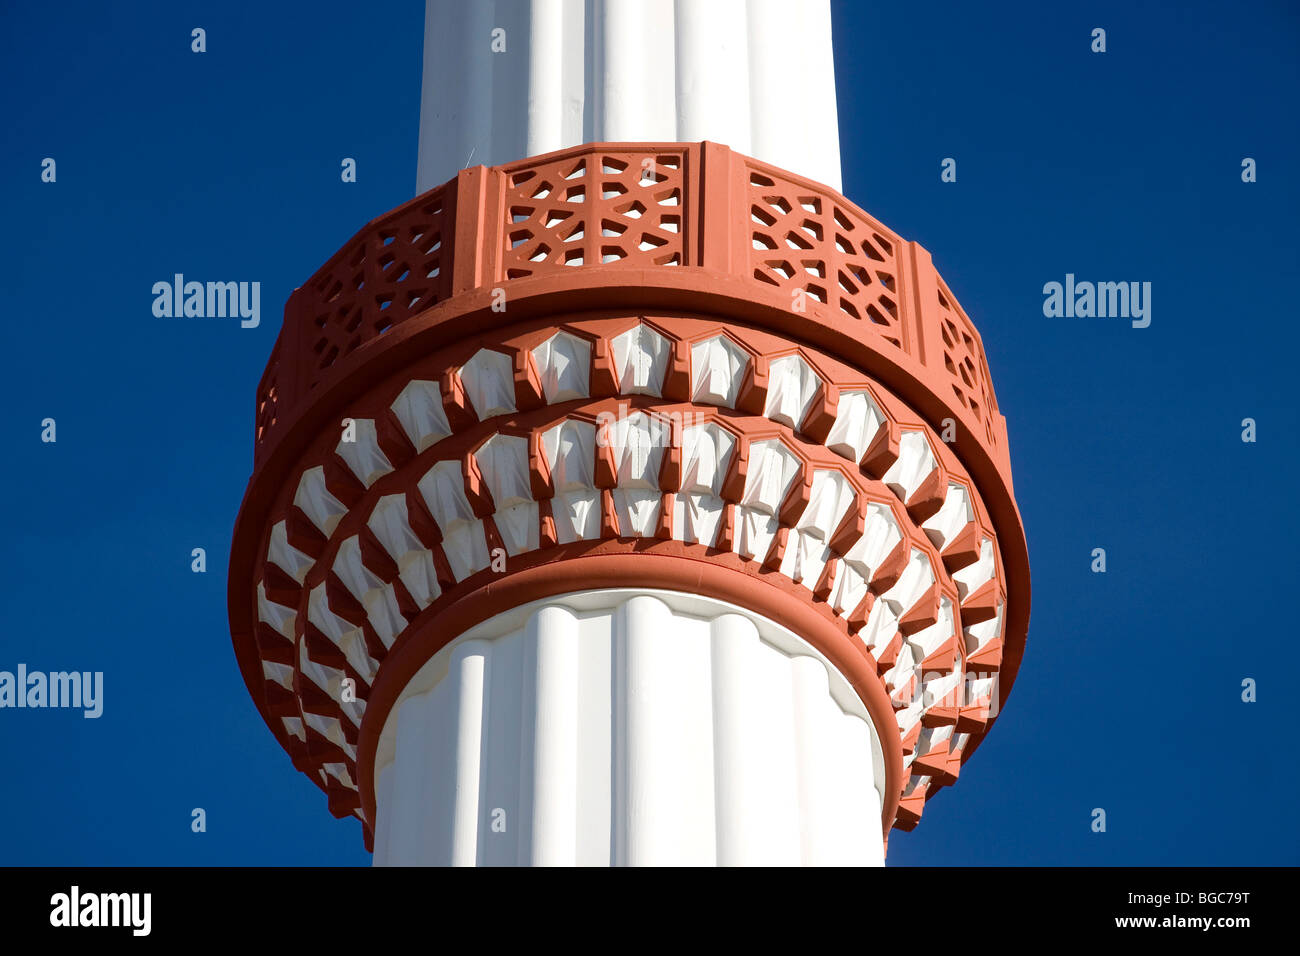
(626, 406)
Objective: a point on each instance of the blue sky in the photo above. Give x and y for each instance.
(1122, 166)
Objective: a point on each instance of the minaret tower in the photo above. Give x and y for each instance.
(630, 496)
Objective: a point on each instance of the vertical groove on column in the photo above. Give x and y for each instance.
(455, 130)
(573, 72)
(618, 69)
(593, 67)
(469, 664)
(860, 828)
(688, 715)
(545, 76)
(772, 722)
(555, 746)
(793, 118)
(712, 51)
(815, 768)
(769, 106)
(438, 793)
(618, 691)
(735, 752)
(411, 783)
(526, 722)
(556, 75)
(636, 74)
(597, 734)
(649, 805)
(505, 803)
(822, 133)
(384, 823)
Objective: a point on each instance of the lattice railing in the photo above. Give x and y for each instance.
(599, 208)
(268, 397)
(963, 358)
(813, 241)
(391, 271)
(691, 207)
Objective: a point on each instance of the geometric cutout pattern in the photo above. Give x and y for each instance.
(594, 209)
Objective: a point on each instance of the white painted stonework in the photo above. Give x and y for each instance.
(628, 728)
(569, 450)
(507, 79)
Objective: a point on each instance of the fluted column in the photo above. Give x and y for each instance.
(505, 79)
(615, 727)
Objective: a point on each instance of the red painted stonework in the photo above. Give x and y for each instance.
(594, 241)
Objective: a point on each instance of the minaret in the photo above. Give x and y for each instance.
(629, 496)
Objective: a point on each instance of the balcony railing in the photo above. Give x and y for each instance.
(686, 207)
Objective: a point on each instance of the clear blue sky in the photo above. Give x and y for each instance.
(1117, 166)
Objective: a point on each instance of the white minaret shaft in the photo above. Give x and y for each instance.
(616, 727)
(506, 79)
